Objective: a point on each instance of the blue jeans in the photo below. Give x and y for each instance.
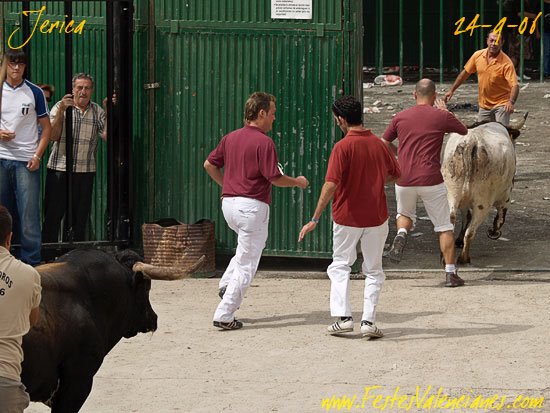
(20, 193)
(546, 54)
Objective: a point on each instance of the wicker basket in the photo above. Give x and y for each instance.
(170, 243)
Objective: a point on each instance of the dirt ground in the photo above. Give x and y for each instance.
(525, 235)
(489, 338)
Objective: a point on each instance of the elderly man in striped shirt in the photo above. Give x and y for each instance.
(89, 123)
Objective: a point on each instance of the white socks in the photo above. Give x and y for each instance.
(450, 268)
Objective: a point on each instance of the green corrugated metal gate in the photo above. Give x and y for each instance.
(195, 62)
(209, 56)
(421, 35)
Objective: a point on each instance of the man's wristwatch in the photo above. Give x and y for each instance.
(316, 220)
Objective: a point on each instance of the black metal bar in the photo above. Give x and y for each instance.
(119, 117)
(151, 103)
(68, 9)
(75, 244)
(60, 248)
(26, 29)
(71, 245)
(111, 184)
(125, 194)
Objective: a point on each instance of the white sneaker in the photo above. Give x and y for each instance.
(370, 330)
(341, 327)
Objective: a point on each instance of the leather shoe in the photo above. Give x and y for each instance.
(453, 280)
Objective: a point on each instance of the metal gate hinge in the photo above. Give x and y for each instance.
(154, 85)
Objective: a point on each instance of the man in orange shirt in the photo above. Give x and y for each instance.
(498, 87)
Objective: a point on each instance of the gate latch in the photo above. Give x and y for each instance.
(154, 85)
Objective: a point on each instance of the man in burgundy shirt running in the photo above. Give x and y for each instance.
(250, 166)
(358, 167)
(420, 130)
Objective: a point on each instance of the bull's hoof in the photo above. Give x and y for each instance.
(463, 260)
(493, 234)
(459, 242)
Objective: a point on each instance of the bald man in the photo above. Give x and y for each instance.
(420, 130)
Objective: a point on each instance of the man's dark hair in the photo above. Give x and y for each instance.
(47, 88)
(255, 103)
(425, 88)
(5, 224)
(348, 108)
(15, 56)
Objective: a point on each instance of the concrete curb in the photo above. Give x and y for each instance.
(529, 275)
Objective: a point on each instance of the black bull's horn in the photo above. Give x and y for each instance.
(167, 273)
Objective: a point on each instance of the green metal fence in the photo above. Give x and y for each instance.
(195, 62)
(419, 36)
(209, 57)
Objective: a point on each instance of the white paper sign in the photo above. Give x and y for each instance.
(291, 9)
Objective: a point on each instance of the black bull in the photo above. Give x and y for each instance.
(90, 300)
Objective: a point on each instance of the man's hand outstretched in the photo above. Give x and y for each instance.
(310, 226)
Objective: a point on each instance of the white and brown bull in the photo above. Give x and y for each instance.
(478, 169)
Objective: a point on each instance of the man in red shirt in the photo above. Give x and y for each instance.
(358, 168)
(420, 130)
(250, 166)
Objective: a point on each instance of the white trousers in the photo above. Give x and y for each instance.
(435, 202)
(249, 218)
(345, 241)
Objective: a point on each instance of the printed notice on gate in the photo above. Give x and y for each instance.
(291, 9)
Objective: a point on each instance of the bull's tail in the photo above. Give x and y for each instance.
(473, 158)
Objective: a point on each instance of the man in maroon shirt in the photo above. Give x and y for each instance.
(358, 168)
(250, 166)
(420, 130)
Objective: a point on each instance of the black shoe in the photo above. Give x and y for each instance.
(221, 292)
(232, 325)
(453, 280)
(396, 251)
